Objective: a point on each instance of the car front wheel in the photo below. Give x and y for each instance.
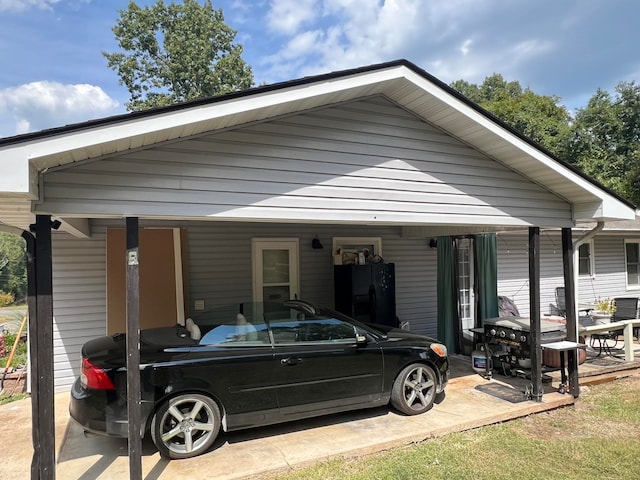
(185, 426)
(414, 389)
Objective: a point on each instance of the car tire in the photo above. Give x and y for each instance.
(414, 390)
(185, 426)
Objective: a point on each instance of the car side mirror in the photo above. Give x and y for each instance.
(361, 339)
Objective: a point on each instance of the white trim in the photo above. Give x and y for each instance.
(177, 255)
(258, 245)
(592, 261)
(626, 272)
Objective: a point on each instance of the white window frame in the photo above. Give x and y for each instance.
(626, 272)
(592, 261)
(357, 244)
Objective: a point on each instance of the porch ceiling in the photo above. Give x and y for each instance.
(400, 81)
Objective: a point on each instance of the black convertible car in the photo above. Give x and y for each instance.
(253, 364)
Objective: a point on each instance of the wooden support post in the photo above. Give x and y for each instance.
(40, 305)
(534, 312)
(133, 349)
(570, 302)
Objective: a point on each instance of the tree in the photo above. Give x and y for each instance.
(605, 140)
(539, 117)
(13, 266)
(176, 52)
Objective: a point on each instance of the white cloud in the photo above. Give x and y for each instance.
(287, 16)
(20, 5)
(39, 105)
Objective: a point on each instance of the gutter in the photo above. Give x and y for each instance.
(576, 264)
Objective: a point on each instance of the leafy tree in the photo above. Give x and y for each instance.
(176, 52)
(13, 266)
(539, 117)
(605, 141)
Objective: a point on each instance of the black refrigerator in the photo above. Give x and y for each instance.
(366, 292)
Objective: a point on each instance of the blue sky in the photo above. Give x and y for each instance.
(53, 72)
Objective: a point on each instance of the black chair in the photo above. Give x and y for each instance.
(626, 309)
(561, 305)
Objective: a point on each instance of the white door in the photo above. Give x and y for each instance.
(465, 286)
(275, 270)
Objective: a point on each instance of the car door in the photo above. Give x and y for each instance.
(319, 365)
(234, 360)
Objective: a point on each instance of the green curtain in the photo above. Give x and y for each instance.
(486, 255)
(447, 300)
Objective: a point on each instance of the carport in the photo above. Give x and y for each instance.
(384, 146)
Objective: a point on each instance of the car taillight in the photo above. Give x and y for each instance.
(440, 349)
(95, 377)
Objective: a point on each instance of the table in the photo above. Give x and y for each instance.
(626, 325)
(563, 346)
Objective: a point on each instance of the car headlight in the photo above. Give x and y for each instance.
(439, 349)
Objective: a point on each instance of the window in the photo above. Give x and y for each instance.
(632, 262)
(358, 250)
(314, 329)
(585, 259)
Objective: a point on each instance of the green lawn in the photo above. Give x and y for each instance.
(599, 438)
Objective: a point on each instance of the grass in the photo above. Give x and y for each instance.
(599, 437)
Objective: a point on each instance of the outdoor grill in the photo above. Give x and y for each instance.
(511, 340)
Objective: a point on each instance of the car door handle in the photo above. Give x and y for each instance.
(291, 361)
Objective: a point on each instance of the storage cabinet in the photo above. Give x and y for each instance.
(366, 292)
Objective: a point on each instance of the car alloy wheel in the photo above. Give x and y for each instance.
(185, 426)
(414, 389)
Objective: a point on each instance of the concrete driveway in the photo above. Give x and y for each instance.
(269, 450)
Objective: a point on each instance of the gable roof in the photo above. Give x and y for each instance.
(400, 81)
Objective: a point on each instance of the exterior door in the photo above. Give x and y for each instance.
(465, 276)
(275, 270)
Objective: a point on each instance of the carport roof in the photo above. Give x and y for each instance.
(402, 82)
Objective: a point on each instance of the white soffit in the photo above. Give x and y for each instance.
(406, 86)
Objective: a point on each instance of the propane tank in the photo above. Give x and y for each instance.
(479, 360)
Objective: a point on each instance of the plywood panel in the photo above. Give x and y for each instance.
(157, 279)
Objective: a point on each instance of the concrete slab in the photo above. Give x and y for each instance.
(272, 449)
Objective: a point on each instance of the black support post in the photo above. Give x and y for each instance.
(534, 312)
(40, 305)
(133, 349)
(570, 302)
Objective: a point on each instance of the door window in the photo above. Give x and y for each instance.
(275, 270)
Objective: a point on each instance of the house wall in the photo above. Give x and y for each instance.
(220, 272)
(361, 162)
(609, 280)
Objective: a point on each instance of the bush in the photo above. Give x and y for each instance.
(6, 299)
(20, 357)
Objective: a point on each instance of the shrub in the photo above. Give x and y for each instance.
(6, 299)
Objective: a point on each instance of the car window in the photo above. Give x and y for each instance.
(234, 330)
(303, 329)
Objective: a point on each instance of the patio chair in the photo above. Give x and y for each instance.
(561, 305)
(626, 309)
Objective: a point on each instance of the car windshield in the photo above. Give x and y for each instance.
(290, 322)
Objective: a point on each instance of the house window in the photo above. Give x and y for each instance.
(632, 261)
(585, 259)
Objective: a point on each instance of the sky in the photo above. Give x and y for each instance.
(53, 73)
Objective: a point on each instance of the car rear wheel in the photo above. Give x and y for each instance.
(185, 426)
(414, 389)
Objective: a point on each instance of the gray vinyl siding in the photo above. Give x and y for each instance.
(366, 161)
(79, 300)
(220, 272)
(608, 281)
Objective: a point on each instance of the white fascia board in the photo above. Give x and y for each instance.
(611, 206)
(50, 151)
(16, 179)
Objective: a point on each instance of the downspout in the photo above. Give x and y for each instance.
(576, 262)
